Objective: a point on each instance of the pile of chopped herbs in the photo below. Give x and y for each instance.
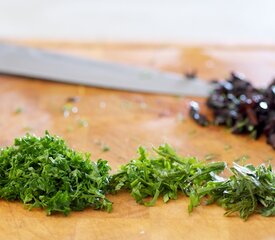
(164, 174)
(245, 109)
(44, 172)
(249, 190)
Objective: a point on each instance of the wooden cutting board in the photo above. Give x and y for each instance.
(123, 121)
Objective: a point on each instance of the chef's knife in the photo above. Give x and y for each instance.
(36, 63)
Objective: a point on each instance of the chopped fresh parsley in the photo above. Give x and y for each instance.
(44, 172)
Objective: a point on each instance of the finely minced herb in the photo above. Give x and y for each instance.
(44, 172)
(211, 156)
(18, 110)
(105, 148)
(83, 123)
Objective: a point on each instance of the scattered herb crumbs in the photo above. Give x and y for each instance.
(242, 159)
(67, 108)
(268, 160)
(227, 147)
(27, 129)
(18, 110)
(105, 148)
(211, 156)
(83, 123)
(44, 172)
(69, 129)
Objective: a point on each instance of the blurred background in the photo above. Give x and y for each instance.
(177, 21)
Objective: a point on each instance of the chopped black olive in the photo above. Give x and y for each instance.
(245, 109)
(195, 114)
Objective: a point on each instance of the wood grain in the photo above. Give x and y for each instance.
(123, 121)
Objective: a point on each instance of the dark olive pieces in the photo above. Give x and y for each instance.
(245, 109)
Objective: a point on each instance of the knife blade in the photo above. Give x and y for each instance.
(46, 65)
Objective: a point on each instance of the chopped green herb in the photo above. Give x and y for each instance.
(249, 190)
(68, 108)
(69, 129)
(227, 147)
(162, 175)
(27, 129)
(44, 172)
(83, 123)
(242, 159)
(268, 160)
(105, 148)
(18, 110)
(211, 156)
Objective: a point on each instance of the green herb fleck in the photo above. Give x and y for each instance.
(68, 108)
(83, 123)
(69, 129)
(27, 129)
(242, 159)
(18, 110)
(211, 156)
(227, 147)
(105, 148)
(268, 160)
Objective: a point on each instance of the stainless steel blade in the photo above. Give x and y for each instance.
(35, 63)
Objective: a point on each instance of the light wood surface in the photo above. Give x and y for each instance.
(123, 121)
